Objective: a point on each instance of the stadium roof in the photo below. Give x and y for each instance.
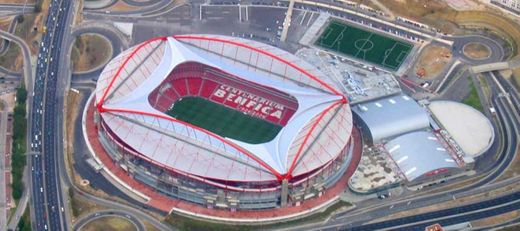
(122, 94)
(471, 130)
(391, 116)
(418, 153)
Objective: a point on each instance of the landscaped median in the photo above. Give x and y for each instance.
(473, 99)
(19, 143)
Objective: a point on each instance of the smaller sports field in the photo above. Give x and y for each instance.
(364, 45)
(223, 120)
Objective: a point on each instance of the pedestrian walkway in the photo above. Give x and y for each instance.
(5, 176)
(314, 29)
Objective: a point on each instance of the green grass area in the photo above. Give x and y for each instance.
(73, 203)
(473, 99)
(19, 143)
(364, 45)
(25, 222)
(188, 224)
(223, 120)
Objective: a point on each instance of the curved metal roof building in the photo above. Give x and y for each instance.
(292, 123)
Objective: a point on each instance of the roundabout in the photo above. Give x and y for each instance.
(90, 52)
(477, 51)
(109, 220)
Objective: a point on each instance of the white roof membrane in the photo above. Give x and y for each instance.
(277, 153)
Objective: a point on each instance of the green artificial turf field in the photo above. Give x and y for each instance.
(223, 120)
(364, 45)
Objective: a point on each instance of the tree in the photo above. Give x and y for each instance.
(21, 95)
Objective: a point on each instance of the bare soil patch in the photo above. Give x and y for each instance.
(504, 26)
(432, 61)
(32, 27)
(89, 51)
(8, 99)
(4, 22)
(438, 14)
(496, 219)
(477, 51)
(423, 11)
(109, 223)
(84, 207)
(513, 169)
(122, 6)
(516, 78)
(12, 59)
(149, 227)
(72, 106)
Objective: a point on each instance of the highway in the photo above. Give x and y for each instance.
(47, 199)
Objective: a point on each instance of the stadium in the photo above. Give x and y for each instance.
(223, 122)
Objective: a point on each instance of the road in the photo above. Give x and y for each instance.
(12, 9)
(27, 66)
(151, 9)
(79, 147)
(109, 33)
(47, 198)
(110, 213)
(5, 43)
(459, 41)
(510, 125)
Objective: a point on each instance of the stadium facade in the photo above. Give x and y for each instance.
(223, 122)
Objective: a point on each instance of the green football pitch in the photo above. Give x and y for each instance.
(364, 45)
(223, 120)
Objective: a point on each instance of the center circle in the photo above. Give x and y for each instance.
(364, 44)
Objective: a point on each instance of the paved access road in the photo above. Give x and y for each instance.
(14, 9)
(473, 211)
(5, 43)
(27, 67)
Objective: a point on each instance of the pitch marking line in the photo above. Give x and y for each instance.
(329, 31)
(366, 40)
(339, 37)
(387, 53)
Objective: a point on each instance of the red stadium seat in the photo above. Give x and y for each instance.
(194, 79)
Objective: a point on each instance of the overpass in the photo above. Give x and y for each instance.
(511, 64)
